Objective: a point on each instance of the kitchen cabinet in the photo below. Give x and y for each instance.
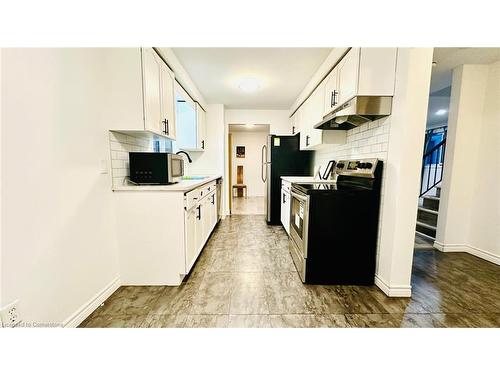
(191, 224)
(162, 232)
(201, 127)
(361, 72)
(167, 101)
(141, 93)
(285, 207)
(200, 220)
(294, 129)
(312, 113)
(331, 94)
(191, 124)
(347, 81)
(158, 95)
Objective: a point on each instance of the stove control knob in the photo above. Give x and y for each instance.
(361, 165)
(340, 165)
(368, 165)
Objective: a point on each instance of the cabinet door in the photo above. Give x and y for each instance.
(316, 115)
(190, 237)
(199, 228)
(331, 93)
(304, 126)
(167, 101)
(206, 218)
(285, 210)
(348, 76)
(293, 124)
(213, 211)
(151, 91)
(201, 122)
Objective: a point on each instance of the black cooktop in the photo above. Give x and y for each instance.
(308, 188)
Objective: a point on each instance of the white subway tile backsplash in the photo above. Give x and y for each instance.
(121, 144)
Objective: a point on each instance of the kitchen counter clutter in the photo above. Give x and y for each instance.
(160, 236)
(183, 186)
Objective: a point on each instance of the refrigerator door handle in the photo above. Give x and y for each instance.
(264, 162)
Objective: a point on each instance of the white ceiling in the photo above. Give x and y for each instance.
(252, 128)
(282, 73)
(449, 58)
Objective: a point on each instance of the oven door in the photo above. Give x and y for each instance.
(299, 214)
(175, 168)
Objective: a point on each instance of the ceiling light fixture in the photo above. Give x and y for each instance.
(441, 112)
(249, 84)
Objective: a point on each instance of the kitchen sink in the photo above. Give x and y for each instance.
(194, 177)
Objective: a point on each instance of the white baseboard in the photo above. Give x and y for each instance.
(393, 290)
(462, 248)
(83, 312)
(484, 254)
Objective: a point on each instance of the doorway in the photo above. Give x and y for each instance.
(247, 189)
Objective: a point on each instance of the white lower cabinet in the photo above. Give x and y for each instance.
(285, 209)
(191, 236)
(200, 220)
(161, 233)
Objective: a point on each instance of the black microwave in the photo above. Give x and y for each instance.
(155, 168)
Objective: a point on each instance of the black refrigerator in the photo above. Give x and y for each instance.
(281, 156)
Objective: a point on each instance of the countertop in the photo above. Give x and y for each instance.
(182, 186)
(302, 179)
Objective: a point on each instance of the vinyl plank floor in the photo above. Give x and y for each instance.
(245, 277)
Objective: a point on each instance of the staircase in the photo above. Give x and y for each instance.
(430, 182)
(427, 214)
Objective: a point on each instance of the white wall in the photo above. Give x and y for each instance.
(278, 120)
(58, 248)
(469, 213)
(253, 142)
(402, 170)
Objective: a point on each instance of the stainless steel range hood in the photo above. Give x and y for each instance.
(357, 111)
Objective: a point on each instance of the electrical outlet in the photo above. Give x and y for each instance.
(10, 315)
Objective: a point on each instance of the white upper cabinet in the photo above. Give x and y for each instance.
(347, 83)
(201, 127)
(141, 92)
(167, 102)
(331, 92)
(191, 122)
(152, 91)
(312, 113)
(361, 72)
(158, 95)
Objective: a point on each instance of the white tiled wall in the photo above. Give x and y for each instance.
(370, 140)
(366, 141)
(121, 144)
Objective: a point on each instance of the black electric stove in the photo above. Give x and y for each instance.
(334, 225)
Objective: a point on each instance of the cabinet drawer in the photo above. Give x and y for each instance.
(286, 185)
(209, 188)
(192, 198)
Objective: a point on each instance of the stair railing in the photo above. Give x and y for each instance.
(432, 159)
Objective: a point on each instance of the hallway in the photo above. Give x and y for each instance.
(245, 277)
(249, 206)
